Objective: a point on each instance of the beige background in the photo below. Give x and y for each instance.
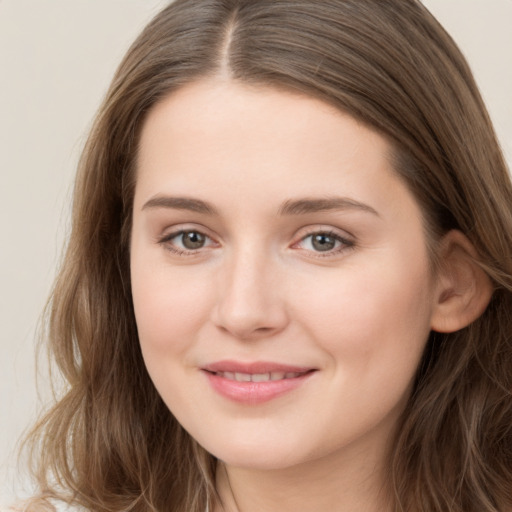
(56, 60)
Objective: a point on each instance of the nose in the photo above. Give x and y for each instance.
(251, 303)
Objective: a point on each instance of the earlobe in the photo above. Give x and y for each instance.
(463, 289)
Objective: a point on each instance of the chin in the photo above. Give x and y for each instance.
(254, 454)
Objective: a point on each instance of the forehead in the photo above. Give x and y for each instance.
(224, 140)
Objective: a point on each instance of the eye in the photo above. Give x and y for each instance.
(186, 241)
(324, 242)
(192, 239)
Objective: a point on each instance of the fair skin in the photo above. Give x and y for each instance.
(270, 232)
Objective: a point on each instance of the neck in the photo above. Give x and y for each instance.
(351, 483)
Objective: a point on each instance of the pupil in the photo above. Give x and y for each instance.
(193, 240)
(323, 242)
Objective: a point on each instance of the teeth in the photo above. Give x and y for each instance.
(258, 377)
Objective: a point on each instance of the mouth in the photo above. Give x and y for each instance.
(259, 377)
(254, 383)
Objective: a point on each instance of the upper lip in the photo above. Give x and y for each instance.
(255, 367)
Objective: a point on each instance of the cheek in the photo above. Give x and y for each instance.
(373, 316)
(373, 326)
(169, 307)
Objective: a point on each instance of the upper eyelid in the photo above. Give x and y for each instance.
(330, 230)
(343, 240)
(174, 234)
(165, 242)
(170, 236)
(172, 231)
(346, 241)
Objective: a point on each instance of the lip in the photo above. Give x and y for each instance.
(252, 393)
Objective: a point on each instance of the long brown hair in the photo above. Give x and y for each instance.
(110, 443)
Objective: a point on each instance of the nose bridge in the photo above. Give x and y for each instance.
(250, 303)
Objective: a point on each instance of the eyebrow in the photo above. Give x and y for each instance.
(290, 207)
(314, 205)
(181, 203)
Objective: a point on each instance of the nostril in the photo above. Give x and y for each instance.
(248, 332)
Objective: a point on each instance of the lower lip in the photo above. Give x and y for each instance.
(254, 392)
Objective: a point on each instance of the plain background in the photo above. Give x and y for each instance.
(56, 60)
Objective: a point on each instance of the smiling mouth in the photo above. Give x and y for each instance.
(257, 382)
(259, 377)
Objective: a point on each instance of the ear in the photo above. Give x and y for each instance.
(463, 289)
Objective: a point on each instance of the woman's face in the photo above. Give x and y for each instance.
(280, 275)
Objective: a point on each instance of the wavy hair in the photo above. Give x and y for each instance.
(110, 443)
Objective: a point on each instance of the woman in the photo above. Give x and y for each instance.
(288, 283)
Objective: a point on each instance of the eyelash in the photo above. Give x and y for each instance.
(344, 243)
(166, 242)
